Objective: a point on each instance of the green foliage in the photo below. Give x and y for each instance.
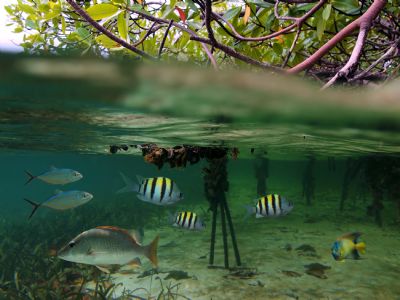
(53, 26)
(348, 6)
(102, 11)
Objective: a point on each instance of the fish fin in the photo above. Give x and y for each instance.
(353, 236)
(57, 192)
(355, 254)
(139, 179)
(35, 206)
(111, 228)
(143, 198)
(137, 235)
(135, 263)
(259, 216)
(52, 168)
(150, 251)
(250, 210)
(103, 269)
(130, 186)
(360, 247)
(172, 217)
(121, 230)
(31, 177)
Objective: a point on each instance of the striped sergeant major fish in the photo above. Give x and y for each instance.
(156, 190)
(272, 205)
(188, 220)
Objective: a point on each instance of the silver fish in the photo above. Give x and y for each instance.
(106, 246)
(56, 176)
(62, 200)
(156, 190)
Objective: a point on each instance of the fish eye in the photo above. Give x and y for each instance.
(71, 244)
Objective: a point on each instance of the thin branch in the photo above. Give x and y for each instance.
(208, 13)
(364, 20)
(392, 50)
(279, 17)
(288, 29)
(352, 63)
(187, 30)
(231, 52)
(292, 47)
(164, 38)
(150, 31)
(106, 32)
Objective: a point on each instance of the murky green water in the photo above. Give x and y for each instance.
(332, 155)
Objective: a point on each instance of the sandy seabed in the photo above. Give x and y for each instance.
(268, 249)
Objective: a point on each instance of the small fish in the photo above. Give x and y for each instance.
(188, 220)
(62, 200)
(156, 190)
(56, 176)
(272, 205)
(107, 246)
(348, 246)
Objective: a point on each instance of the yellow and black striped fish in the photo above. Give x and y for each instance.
(157, 190)
(272, 205)
(188, 220)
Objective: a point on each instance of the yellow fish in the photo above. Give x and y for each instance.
(348, 245)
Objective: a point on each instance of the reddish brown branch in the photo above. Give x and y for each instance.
(363, 22)
(298, 22)
(352, 63)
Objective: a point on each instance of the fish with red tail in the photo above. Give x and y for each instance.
(108, 246)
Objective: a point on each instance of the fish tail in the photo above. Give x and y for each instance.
(31, 177)
(171, 217)
(250, 210)
(35, 206)
(130, 186)
(360, 247)
(151, 251)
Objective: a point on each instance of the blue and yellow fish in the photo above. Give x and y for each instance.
(348, 246)
(156, 190)
(272, 205)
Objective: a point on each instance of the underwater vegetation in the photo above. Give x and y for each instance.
(29, 268)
